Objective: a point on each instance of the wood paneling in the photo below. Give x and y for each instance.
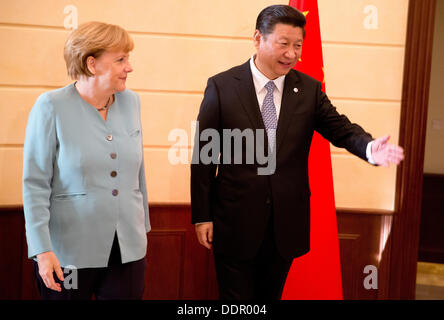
(228, 18)
(374, 183)
(195, 278)
(364, 238)
(368, 73)
(11, 241)
(431, 239)
(167, 183)
(165, 265)
(434, 151)
(11, 160)
(200, 57)
(415, 96)
(391, 27)
(360, 111)
(178, 267)
(161, 113)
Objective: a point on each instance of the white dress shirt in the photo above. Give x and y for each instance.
(260, 80)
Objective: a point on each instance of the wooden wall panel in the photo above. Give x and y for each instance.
(200, 57)
(15, 106)
(371, 72)
(364, 241)
(349, 244)
(431, 234)
(162, 113)
(11, 242)
(40, 50)
(198, 280)
(391, 26)
(11, 160)
(369, 115)
(182, 57)
(178, 267)
(351, 173)
(165, 265)
(167, 183)
(415, 96)
(228, 18)
(28, 281)
(434, 151)
(368, 73)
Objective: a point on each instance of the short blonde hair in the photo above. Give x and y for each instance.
(92, 39)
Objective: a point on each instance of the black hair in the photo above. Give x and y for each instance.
(272, 15)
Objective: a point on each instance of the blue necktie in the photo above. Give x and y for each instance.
(269, 115)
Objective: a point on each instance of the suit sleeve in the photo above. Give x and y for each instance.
(142, 178)
(203, 173)
(338, 129)
(39, 153)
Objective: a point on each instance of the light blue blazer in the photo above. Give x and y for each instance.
(84, 179)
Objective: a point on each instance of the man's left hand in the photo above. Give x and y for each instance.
(384, 154)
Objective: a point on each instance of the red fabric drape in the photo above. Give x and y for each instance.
(317, 275)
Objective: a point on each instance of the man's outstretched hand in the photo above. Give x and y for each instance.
(384, 154)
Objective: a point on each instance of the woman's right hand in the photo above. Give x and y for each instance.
(48, 263)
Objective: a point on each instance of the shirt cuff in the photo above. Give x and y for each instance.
(369, 153)
(197, 223)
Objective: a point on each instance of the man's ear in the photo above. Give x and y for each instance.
(257, 37)
(91, 64)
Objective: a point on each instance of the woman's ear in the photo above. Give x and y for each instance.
(91, 64)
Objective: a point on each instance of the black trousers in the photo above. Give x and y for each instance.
(260, 278)
(116, 281)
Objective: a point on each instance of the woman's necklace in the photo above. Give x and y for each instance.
(106, 105)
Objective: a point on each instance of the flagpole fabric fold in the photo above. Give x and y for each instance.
(317, 275)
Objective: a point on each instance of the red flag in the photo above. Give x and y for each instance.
(317, 275)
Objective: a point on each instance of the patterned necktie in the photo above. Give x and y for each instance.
(269, 114)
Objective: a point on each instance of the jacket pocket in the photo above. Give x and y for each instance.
(134, 133)
(69, 196)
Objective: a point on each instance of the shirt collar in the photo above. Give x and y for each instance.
(260, 80)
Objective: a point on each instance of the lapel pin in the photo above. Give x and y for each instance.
(295, 90)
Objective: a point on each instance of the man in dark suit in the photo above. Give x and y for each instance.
(257, 223)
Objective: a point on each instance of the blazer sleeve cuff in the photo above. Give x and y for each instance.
(38, 244)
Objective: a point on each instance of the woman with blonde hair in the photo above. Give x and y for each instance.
(84, 190)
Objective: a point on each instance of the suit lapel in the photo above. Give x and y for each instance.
(290, 101)
(247, 95)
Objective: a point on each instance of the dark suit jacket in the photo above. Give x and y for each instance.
(234, 196)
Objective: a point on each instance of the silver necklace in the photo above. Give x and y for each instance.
(106, 105)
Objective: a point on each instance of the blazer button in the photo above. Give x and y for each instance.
(268, 201)
(113, 174)
(113, 155)
(109, 137)
(115, 192)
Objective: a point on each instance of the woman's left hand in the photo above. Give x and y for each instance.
(48, 264)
